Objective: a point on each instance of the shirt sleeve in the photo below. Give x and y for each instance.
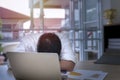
(67, 51)
(28, 43)
(24, 45)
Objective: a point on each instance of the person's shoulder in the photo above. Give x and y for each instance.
(32, 36)
(62, 34)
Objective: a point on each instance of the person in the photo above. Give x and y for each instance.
(49, 42)
(67, 57)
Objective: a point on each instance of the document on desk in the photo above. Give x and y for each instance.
(87, 75)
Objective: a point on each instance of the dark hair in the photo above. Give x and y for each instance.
(49, 42)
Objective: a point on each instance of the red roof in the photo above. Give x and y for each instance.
(9, 14)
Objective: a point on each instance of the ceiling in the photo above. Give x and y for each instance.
(53, 4)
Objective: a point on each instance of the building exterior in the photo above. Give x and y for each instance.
(11, 23)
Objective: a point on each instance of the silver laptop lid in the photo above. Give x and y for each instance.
(35, 66)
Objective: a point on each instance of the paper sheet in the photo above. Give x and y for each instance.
(88, 75)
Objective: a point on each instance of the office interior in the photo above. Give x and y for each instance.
(90, 32)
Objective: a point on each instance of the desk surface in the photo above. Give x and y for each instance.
(5, 74)
(112, 70)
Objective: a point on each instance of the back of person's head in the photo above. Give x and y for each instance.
(49, 42)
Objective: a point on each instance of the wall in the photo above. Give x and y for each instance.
(108, 4)
(115, 4)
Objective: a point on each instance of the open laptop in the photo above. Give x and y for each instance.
(34, 66)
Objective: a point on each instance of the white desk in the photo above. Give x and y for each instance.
(113, 70)
(8, 43)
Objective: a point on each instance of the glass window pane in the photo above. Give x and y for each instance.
(91, 10)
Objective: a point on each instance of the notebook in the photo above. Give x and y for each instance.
(34, 66)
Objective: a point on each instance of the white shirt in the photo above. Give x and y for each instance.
(29, 44)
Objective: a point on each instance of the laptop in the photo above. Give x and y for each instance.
(34, 66)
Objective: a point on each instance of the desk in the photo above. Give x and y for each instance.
(113, 70)
(9, 43)
(5, 74)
